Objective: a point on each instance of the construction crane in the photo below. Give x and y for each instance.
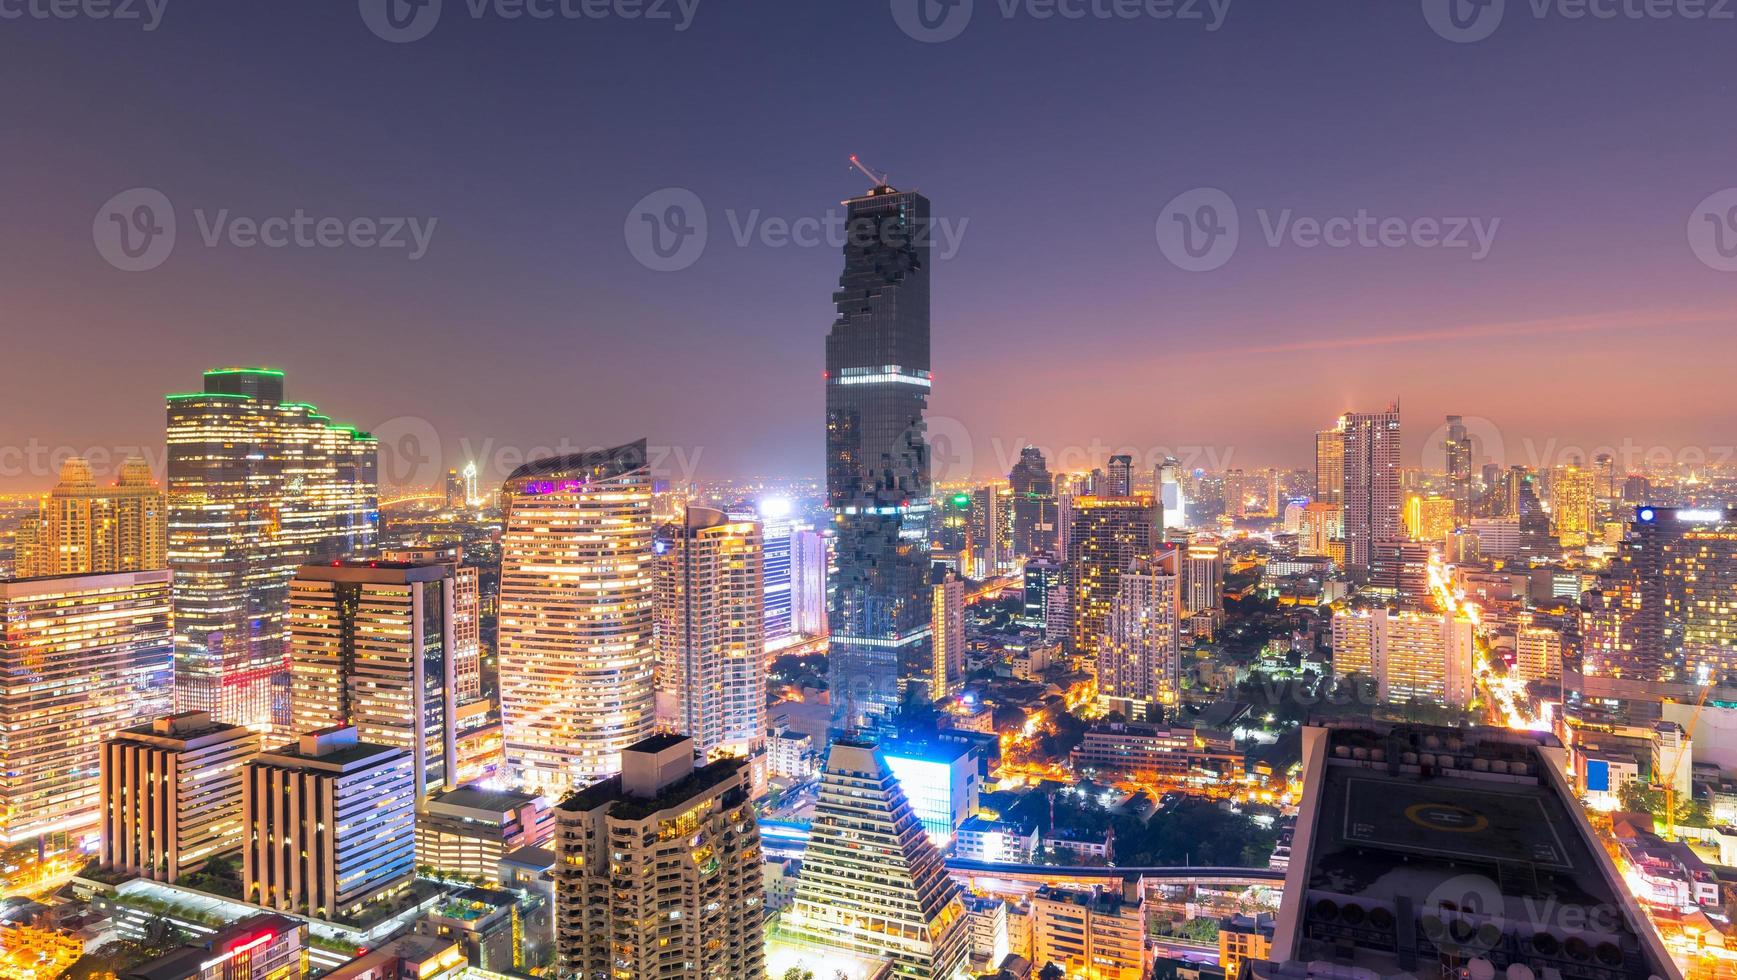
(880, 179)
(1671, 779)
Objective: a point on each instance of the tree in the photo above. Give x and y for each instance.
(798, 973)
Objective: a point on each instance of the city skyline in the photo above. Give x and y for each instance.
(525, 258)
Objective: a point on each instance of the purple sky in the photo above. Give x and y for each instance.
(1591, 322)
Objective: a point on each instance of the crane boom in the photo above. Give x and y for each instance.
(879, 178)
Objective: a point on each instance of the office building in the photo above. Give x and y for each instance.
(82, 529)
(777, 602)
(410, 957)
(1092, 933)
(1120, 477)
(995, 841)
(257, 487)
(1169, 752)
(940, 779)
(330, 824)
(1430, 518)
(711, 652)
(1140, 660)
(81, 658)
(1371, 494)
(259, 947)
(1046, 598)
(467, 831)
(658, 870)
(873, 884)
(1202, 577)
(1320, 530)
(1672, 587)
(1430, 851)
(466, 655)
(989, 532)
(1106, 534)
(1456, 449)
(578, 582)
(947, 674)
(808, 562)
(877, 453)
(1421, 656)
(1172, 497)
(171, 795)
(1400, 571)
(370, 646)
(1034, 513)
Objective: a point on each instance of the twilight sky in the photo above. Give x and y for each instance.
(1051, 146)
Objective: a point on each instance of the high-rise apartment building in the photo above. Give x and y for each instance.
(1320, 530)
(1140, 661)
(81, 658)
(1105, 536)
(371, 646)
(877, 453)
(1119, 478)
(83, 529)
(1671, 590)
(1430, 518)
(330, 824)
(1034, 517)
(1371, 495)
(711, 652)
(1046, 598)
(989, 532)
(872, 883)
(1330, 464)
(578, 581)
(257, 486)
(1537, 653)
(466, 655)
(1095, 933)
(1427, 657)
(171, 795)
(658, 870)
(947, 675)
(1573, 503)
(1237, 487)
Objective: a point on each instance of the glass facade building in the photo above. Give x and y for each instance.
(877, 454)
(257, 486)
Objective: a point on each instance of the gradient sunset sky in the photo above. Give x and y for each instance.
(1592, 321)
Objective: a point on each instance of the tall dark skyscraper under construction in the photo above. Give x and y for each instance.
(877, 454)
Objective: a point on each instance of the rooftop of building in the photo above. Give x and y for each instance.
(602, 464)
(1096, 899)
(474, 797)
(625, 807)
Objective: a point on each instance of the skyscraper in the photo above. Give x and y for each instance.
(872, 882)
(1105, 536)
(1120, 477)
(808, 559)
(577, 587)
(84, 529)
(1034, 515)
(1330, 464)
(1457, 452)
(777, 609)
(371, 646)
(990, 532)
(947, 675)
(1371, 494)
(1573, 491)
(257, 486)
(1140, 661)
(1427, 657)
(658, 870)
(81, 658)
(1172, 500)
(877, 453)
(710, 648)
